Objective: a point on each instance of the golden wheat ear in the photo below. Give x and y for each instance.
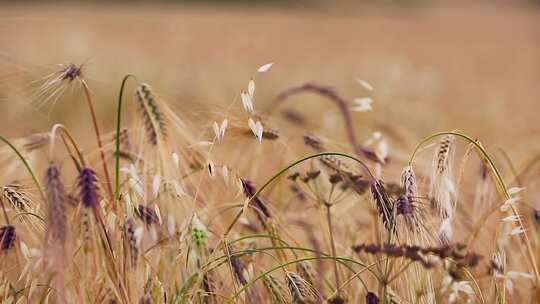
(154, 120)
(301, 290)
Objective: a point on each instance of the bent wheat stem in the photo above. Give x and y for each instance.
(65, 134)
(98, 137)
(333, 246)
(502, 186)
(343, 106)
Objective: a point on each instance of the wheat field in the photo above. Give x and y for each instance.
(306, 152)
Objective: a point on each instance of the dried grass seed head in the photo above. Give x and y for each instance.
(443, 188)
(444, 152)
(15, 195)
(71, 72)
(55, 84)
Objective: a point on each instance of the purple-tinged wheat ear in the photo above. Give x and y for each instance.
(131, 239)
(56, 198)
(371, 298)
(88, 187)
(7, 237)
(249, 192)
(147, 215)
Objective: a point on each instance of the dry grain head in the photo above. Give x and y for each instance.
(444, 153)
(442, 187)
(14, 194)
(408, 182)
(384, 204)
(302, 292)
(154, 120)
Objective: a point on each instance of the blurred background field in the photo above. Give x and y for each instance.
(433, 65)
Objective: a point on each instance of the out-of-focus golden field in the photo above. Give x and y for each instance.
(200, 208)
(474, 68)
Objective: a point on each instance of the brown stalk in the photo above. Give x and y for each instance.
(100, 144)
(333, 245)
(341, 103)
(66, 136)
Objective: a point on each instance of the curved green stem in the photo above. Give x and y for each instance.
(282, 171)
(235, 296)
(27, 165)
(483, 154)
(342, 260)
(500, 183)
(267, 236)
(118, 125)
(355, 275)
